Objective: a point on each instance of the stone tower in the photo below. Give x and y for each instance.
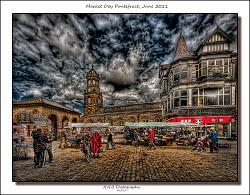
(93, 96)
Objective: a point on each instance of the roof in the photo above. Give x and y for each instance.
(216, 30)
(181, 48)
(133, 108)
(45, 102)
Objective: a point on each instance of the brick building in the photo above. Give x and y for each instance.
(43, 112)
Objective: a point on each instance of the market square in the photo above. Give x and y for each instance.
(134, 164)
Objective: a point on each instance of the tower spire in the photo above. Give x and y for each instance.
(181, 47)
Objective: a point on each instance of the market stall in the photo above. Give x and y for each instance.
(165, 132)
(22, 144)
(73, 132)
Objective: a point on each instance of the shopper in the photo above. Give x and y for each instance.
(44, 142)
(39, 145)
(96, 144)
(151, 138)
(85, 146)
(213, 141)
(110, 141)
(50, 139)
(36, 134)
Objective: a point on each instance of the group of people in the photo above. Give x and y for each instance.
(208, 139)
(147, 137)
(91, 145)
(42, 143)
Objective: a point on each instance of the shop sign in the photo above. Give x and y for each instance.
(198, 121)
(40, 119)
(203, 119)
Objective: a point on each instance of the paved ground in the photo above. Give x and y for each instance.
(128, 164)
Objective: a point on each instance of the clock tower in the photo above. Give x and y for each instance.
(93, 95)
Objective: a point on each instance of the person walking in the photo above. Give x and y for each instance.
(39, 145)
(96, 144)
(36, 134)
(85, 146)
(78, 139)
(136, 138)
(213, 141)
(43, 144)
(151, 138)
(110, 141)
(49, 145)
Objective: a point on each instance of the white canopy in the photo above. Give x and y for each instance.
(70, 125)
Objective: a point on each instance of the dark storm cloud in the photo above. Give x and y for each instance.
(53, 52)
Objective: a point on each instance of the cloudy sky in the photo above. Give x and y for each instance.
(52, 53)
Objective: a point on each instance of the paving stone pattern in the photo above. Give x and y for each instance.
(133, 164)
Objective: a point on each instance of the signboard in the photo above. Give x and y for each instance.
(203, 119)
(40, 119)
(199, 121)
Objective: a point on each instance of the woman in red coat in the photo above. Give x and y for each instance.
(96, 144)
(151, 138)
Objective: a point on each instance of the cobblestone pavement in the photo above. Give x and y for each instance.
(129, 164)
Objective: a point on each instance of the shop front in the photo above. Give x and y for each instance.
(222, 124)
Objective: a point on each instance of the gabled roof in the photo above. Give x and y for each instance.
(216, 30)
(181, 49)
(45, 102)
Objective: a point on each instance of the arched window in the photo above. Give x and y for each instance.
(89, 100)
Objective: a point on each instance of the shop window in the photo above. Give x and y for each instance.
(223, 130)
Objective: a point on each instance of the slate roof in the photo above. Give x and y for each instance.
(181, 48)
(44, 101)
